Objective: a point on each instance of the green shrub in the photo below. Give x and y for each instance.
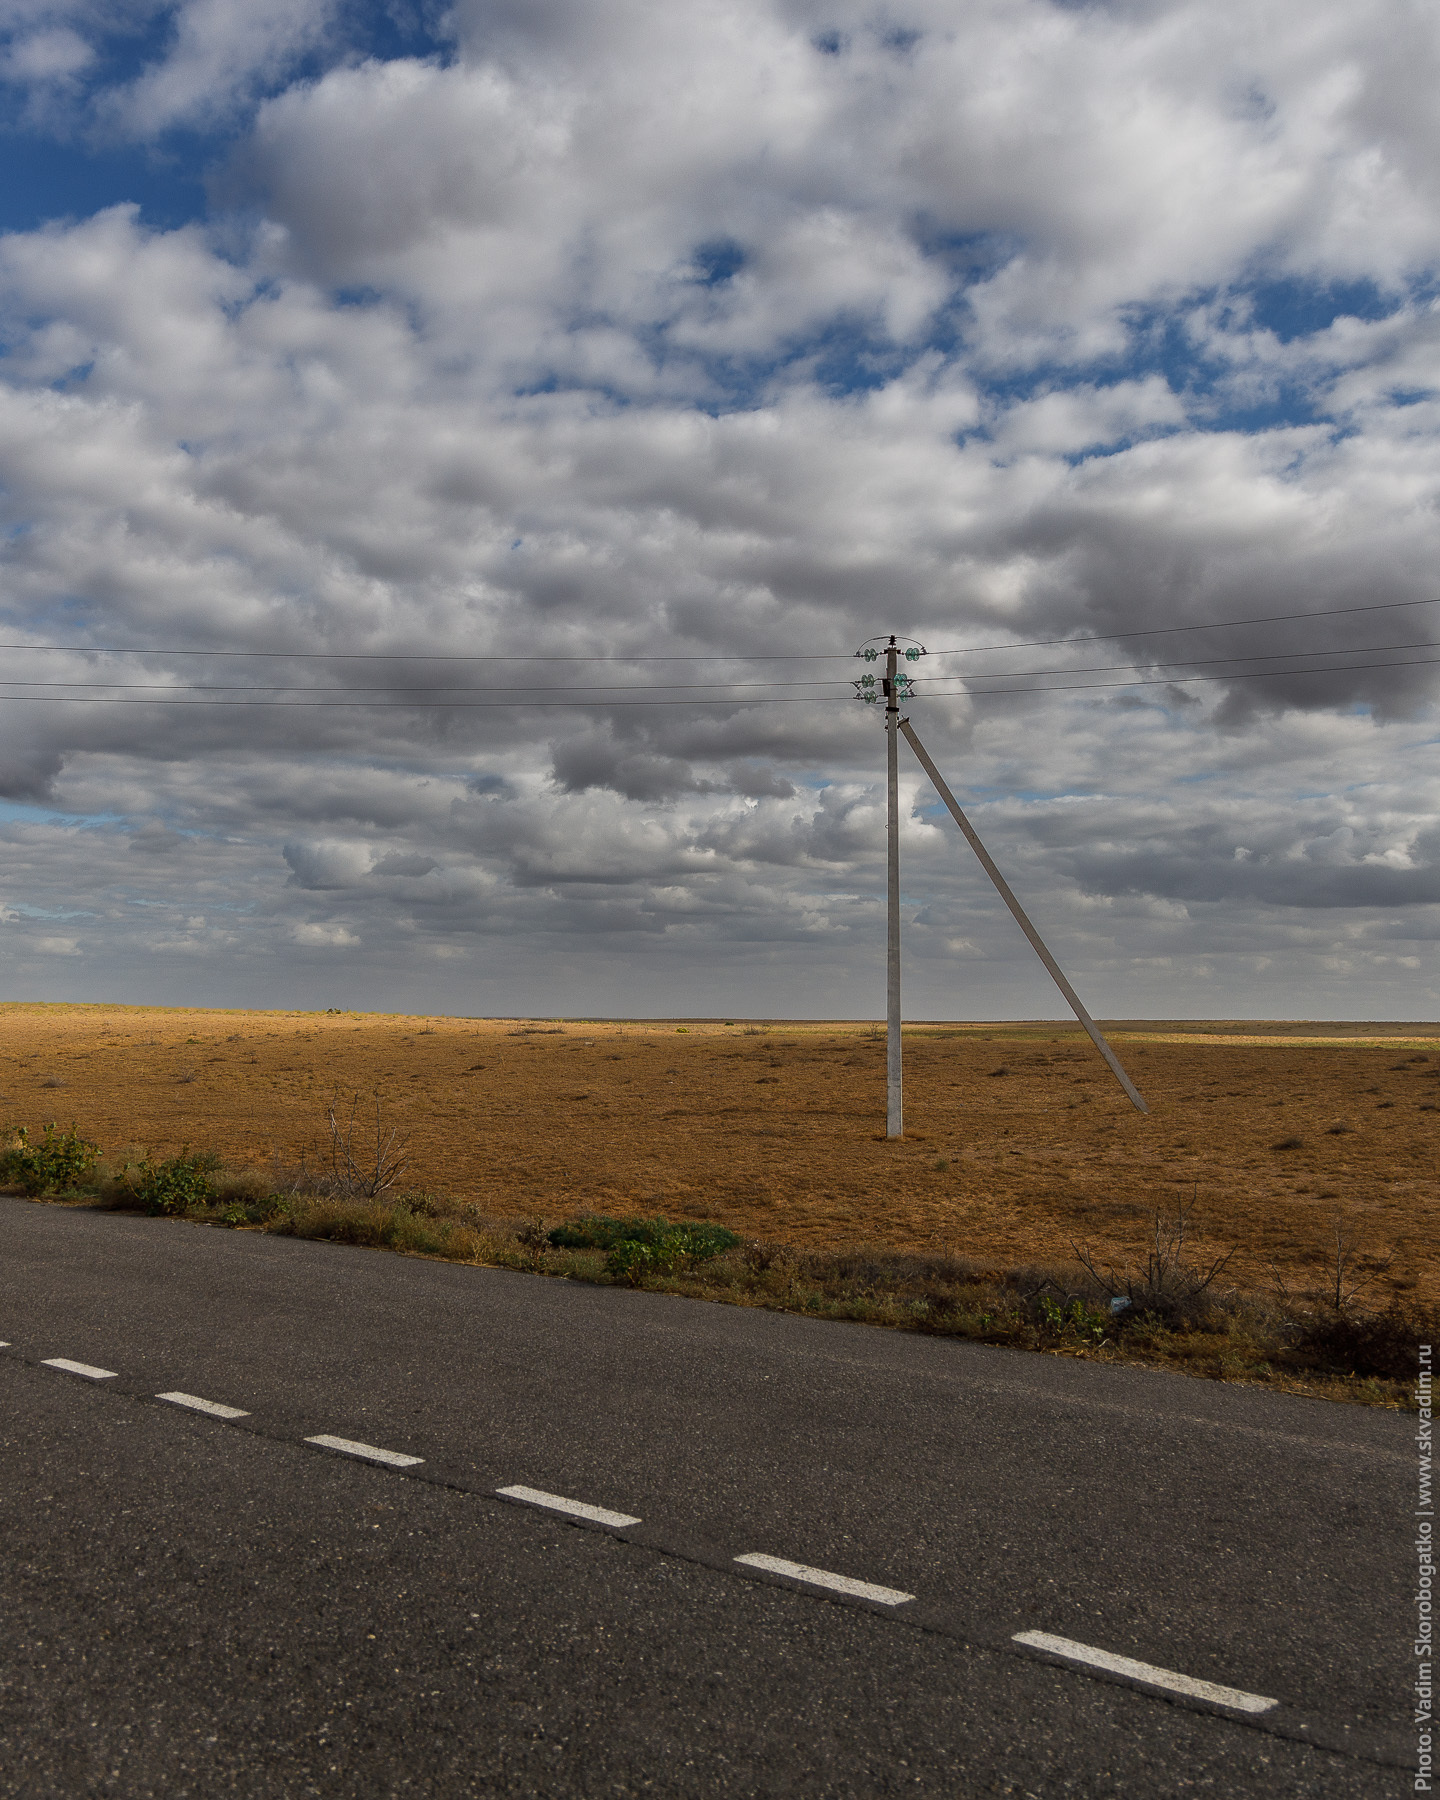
(174, 1186)
(596, 1232)
(247, 1209)
(1076, 1320)
(667, 1250)
(636, 1248)
(61, 1160)
(632, 1260)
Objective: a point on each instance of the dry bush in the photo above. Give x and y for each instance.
(1349, 1269)
(363, 1161)
(1384, 1346)
(1172, 1286)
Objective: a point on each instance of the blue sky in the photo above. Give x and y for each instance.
(735, 334)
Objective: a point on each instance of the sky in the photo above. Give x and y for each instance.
(508, 421)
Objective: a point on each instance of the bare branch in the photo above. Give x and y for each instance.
(1170, 1280)
(371, 1163)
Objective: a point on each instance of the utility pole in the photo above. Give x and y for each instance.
(893, 687)
(894, 1095)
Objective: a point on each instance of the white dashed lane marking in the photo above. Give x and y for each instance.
(1083, 1655)
(577, 1509)
(213, 1407)
(840, 1584)
(1146, 1672)
(369, 1452)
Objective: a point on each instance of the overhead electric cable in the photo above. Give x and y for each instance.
(1194, 662)
(1080, 687)
(1104, 637)
(964, 693)
(1325, 612)
(606, 687)
(166, 687)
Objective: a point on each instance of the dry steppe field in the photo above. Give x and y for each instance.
(1019, 1142)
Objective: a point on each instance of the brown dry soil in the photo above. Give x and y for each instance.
(1020, 1143)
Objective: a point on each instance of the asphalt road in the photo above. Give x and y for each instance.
(202, 1606)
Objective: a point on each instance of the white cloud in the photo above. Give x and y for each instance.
(324, 934)
(46, 56)
(215, 58)
(219, 53)
(626, 330)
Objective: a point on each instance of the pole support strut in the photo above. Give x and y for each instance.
(1003, 889)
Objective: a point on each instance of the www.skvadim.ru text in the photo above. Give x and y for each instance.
(1424, 1581)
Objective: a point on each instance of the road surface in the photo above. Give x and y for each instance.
(976, 1572)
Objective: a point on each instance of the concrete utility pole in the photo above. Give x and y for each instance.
(894, 1096)
(894, 686)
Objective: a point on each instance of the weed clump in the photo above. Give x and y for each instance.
(60, 1162)
(249, 1209)
(179, 1185)
(1172, 1288)
(1376, 1346)
(595, 1231)
(636, 1248)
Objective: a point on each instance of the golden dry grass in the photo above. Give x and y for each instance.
(779, 1132)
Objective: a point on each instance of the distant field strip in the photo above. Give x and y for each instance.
(1018, 1144)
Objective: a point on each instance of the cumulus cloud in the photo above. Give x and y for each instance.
(135, 68)
(325, 934)
(43, 57)
(733, 333)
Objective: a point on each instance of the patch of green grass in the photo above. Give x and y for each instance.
(636, 1249)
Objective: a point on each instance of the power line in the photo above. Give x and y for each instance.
(164, 687)
(1326, 612)
(964, 693)
(1080, 687)
(1195, 662)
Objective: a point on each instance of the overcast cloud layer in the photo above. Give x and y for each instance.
(743, 330)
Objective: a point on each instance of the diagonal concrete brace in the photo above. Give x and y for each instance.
(1003, 888)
